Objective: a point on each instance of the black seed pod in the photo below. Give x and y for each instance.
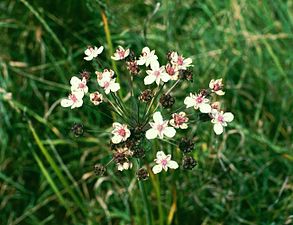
(186, 145)
(167, 100)
(146, 95)
(99, 169)
(188, 162)
(142, 174)
(77, 129)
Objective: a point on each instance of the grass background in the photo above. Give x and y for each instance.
(243, 177)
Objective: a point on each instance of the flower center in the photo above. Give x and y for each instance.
(73, 98)
(164, 162)
(170, 70)
(81, 85)
(157, 73)
(121, 54)
(106, 84)
(180, 61)
(199, 99)
(122, 132)
(220, 118)
(160, 128)
(217, 87)
(179, 120)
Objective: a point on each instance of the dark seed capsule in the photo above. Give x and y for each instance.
(188, 162)
(85, 74)
(99, 169)
(77, 129)
(167, 100)
(138, 152)
(142, 174)
(146, 95)
(186, 145)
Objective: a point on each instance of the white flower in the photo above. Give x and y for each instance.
(216, 86)
(198, 102)
(147, 57)
(120, 133)
(105, 74)
(120, 53)
(220, 120)
(109, 85)
(179, 61)
(179, 120)
(74, 100)
(156, 74)
(78, 84)
(124, 166)
(172, 71)
(92, 52)
(96, 98)
(164, 162)
(159, 128)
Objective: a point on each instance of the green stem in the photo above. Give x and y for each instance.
(147, 208)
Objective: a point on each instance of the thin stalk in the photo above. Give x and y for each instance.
(171, 88)
(146, 207)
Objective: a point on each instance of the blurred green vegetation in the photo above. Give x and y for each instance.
(243, 177)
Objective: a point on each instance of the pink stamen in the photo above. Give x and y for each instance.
(217, 87)
(106, 84)
(81, 85)
(179, 120)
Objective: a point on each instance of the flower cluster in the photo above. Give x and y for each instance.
(155, 115)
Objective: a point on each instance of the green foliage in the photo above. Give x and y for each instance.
(243, 177)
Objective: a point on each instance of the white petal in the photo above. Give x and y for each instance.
(116, 139)
(169, 132)
(155, 65)
(100, 49)
(149, 79)
(218, 128)
(172, 164)
(115, 57)
(189, 102)
(160, 155)
(228, 117)
(157, 169)
(158, 117)
(77, 104)
(187, 61)
(66, 102)
(165, 77)
(114, 87)
(184, 126)
(146, 50)
(75, 81)
(220, 92)
(151, 133)
(88, 58)
(205, 108)
(140, 61)
(120, 167)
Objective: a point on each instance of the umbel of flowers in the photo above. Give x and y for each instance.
(144, 108)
